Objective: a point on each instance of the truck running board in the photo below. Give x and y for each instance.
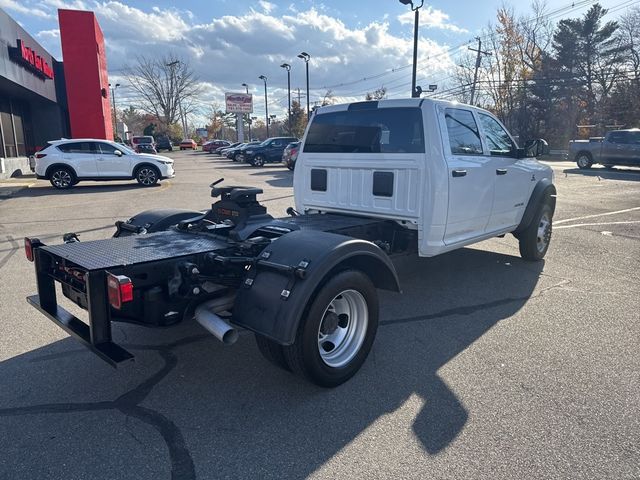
(108, 351)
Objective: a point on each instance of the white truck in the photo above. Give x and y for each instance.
(373, 180)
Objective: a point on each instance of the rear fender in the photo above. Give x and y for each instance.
(272, 301)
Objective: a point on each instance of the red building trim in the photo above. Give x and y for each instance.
(85, 72)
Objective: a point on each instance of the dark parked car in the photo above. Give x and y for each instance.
(213, 145)
(164, 143)
(290, 155)
(145, 148)
(269, 151)
(222, 150)
(235, 153)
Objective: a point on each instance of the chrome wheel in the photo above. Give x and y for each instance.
(147, 176)
(61, 179)
(544, 233)
(343, 328)
(258, 162)
(583, 161)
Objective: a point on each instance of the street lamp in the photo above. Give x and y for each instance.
(266, 103)
(306, 57)
(287, 67)
(115, 119)
(415, 93)
(248, 117)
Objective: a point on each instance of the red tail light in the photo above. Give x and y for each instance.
(41, 155)
(28, 248)
(119, 289)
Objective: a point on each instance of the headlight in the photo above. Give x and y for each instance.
(166, 162)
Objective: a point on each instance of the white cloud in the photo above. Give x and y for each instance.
(227, 51)
(431, 18)
(22, 8)
(267, 7)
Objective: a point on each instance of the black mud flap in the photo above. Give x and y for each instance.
(275, 293)
(543, 192)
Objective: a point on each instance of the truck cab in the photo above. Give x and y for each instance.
(451, 172)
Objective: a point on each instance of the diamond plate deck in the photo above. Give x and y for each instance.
(116, 252)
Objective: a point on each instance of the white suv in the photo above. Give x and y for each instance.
(66, 162)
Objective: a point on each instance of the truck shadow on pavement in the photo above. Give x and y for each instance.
(277, 178)
(226, 413)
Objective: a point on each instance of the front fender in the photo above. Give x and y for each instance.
(272, 302)
(543, 192)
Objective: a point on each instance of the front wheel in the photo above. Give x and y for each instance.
(534, 241)
(337, 331)
(147, 176)
(584, 161)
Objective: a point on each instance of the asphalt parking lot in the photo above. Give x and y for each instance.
(486, 367)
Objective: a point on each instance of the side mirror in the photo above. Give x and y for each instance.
(536, 148)
(117, 153)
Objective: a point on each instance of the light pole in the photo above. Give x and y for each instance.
(249, 114)
(306, 57)
(266, 103)
(115, 118)
(415, 91)
(287, 67)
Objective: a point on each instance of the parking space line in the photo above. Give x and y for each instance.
(598, 223)
(596, 215)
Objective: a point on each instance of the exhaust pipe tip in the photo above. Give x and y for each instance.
(230, 337)
(220, 329)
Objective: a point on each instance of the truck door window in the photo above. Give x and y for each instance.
(619, 137)
(497, 138)
(464, 138)
(376, 130)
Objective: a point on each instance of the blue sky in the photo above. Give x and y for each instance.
(230, 42)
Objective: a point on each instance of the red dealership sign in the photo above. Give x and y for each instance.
(29, 59)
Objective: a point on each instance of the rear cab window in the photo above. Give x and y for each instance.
(375, 130)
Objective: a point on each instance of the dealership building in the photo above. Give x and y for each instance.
(42, 99)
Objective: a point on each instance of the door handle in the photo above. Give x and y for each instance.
(501, 171)
(459, 173)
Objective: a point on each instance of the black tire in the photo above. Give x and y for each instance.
(584, 161)
(535, 240)
(272, 351)
(291, 166)
(258, 161)
(304, 355)
(147, 175)
(62, 178)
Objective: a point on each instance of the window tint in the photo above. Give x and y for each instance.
(78, 147)
(464, 138)
(107, 148)
(497, 138)
(380, 130)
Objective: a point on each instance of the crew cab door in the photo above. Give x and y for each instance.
(621, 148)
(81, 156)
(109, 163)
(471, 178)
(512, 176)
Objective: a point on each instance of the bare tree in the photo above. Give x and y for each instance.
(167, 86)
(377, 94)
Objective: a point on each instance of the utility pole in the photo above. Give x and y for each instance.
(172, 66)
(478, 60)
(298, 96)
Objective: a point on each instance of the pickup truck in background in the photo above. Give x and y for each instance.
(618, 147)
(373, 181)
